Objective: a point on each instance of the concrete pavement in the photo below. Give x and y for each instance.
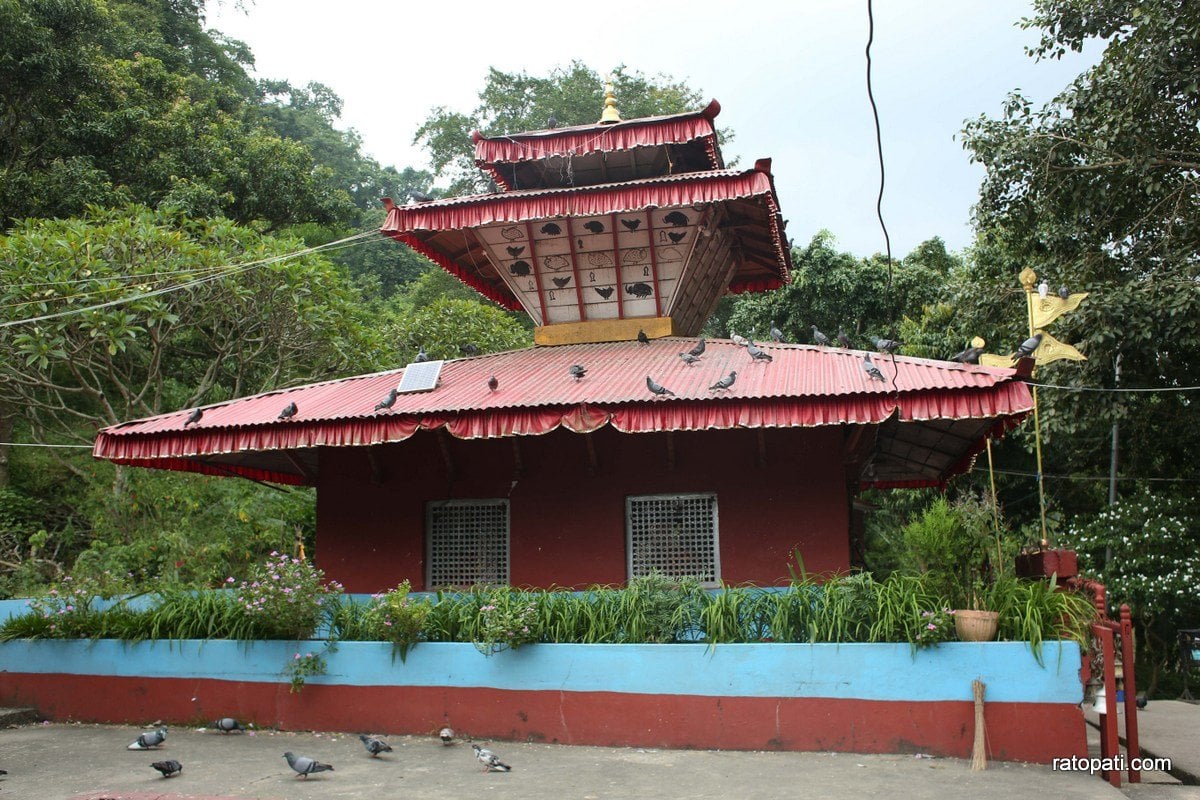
(74, 761)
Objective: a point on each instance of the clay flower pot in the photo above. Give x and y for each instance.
(976, 626)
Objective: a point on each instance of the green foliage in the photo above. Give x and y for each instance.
(394, 617)
(936, 627)
(519, 102)
(507, 620)
(302, 666)
(445, 326)
(958, 548)
(284, 598)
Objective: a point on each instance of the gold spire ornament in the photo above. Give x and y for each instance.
(610, 113)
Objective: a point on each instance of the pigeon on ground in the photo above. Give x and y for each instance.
(1142, 700)
(1064, 292)
(757, 354)
(168, 768)
(421, 355)
(969, 356)
(776, 334)
(889, 346)
(194, 417)
(642, 337)
(489, 760)
(870, 368)
(820, 338)
(388, 401)
(447, 736)
(698, 350)
(149, 739)
(1028, 346)
(493, 384)
(688, 358)
(657, 389)
(305, 766)
(228, 725)
(289, 411)
(740, 341)
(725, 382)
(374, 745)
(577, 371)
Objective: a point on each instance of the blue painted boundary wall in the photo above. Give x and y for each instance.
(841, 671)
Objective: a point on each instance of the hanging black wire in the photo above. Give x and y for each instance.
(887, 240)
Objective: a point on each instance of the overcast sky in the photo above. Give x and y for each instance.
(790, 77)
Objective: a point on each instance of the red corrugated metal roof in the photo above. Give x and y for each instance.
(616, 374)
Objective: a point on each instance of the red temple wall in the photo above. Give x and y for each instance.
(567, 518)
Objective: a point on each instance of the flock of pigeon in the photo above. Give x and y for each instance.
(302, 765)
(578, 371)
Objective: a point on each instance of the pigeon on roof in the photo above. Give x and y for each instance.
(820, 338)
(168, 768)
(776, 334)
(493, 384)
(552, 122)
(468, 349)
(969, 356)
(374, 745)
(389, 400)
(228, 725)
(655, 388)
(870, 368)
(577, 371)
(698, 350)
(490, 760)
(757, 354)
(289, 411)
(1028, 346)
(1064, 292)
(889, 346)
(739, 340)
(725, 382)
(843, 339)
(150, 739)
(689, 359)
(642, 337)
(421, 355)
(194, 417)
(305, 766)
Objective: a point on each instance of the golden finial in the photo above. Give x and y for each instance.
(610, 114)
(1028, 278)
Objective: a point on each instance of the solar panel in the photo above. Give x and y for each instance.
(420, 377)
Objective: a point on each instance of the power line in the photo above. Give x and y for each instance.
(40, 444)
(1022, 473)
(1116, 389)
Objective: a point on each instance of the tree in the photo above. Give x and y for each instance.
(447, 324)
(517, 102)
(1097, 190)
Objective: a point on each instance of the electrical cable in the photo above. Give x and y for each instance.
(1116, 389)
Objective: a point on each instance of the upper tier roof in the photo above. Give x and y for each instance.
(586, 155)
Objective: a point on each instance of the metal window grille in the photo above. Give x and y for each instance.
(674, 535)
(467, 542)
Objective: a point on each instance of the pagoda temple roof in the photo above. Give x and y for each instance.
(923, 424)
(584, 155)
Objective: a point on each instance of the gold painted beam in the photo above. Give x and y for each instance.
(603, 330)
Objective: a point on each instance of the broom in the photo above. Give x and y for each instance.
(979, 751)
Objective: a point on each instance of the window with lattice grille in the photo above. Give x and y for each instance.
(467, 542)
(674, 535)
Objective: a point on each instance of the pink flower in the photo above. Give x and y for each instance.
(931, 626)
(229, 579)
(297, 657)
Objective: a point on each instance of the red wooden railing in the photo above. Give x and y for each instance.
(1107, 631)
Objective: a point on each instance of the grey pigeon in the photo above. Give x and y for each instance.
(1028, 346)
(447, 736)
(740, 341)
(420, 197)
(388, 401)
(552, 122)
(698, 350)
(493, 384)
(725, 382)
(642, 337)
(469, 349)
(969, 356)
(305, 766)
(577, 371)
(289, 411)
(689, 359)
(374, 745)
(757, 354)
(889, 346)
(1064, 292)
(228, 725)
(489, 760)
(870, 368)
(168, 768)
(776, 334)
(149, 739)
(820, 338)
(421, 355)
(657, 389)
(194, 417)
(843, 339)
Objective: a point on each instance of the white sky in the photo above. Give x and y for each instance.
(790, 77)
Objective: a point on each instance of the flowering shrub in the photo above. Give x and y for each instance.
(935, 627)
(395, 617)
(304, 666)
(507, 619)
(283, 598)
(66, 610)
